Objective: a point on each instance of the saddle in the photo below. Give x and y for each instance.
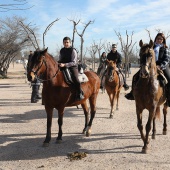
(81, 76)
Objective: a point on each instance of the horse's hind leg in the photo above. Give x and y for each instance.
(86, 113)
(92, 101)
(165, 124)
(157, 113)
(49, 112)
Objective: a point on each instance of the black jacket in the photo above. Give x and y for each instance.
(163, 58)
(115, 57)
(65, 55)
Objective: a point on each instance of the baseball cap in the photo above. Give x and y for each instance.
(114, 46)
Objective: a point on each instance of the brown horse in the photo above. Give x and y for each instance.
(57, 94)
(112, 85)
(148, 93)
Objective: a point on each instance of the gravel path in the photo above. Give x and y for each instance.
(114, 143)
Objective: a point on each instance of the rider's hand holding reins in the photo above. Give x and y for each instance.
(62, 65)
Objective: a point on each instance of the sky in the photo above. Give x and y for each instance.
(108, 15)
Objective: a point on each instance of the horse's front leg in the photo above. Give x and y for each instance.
(86, 114)
(139, 122)
(117, 105)
(112, 102)
(165, 124)
(92, 101)
(60, 123)
(154, 128)
(148, 128)
(49, 112)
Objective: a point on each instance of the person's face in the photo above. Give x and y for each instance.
(159, 40)
(114, 49)
(67, 43)
(104, 54)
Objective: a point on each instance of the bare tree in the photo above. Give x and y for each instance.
(158, 30)
(17, 5)
(47, 28)
(75, 23)
(82, 39)
(107, 47)
(93, 51)
(12, 40)
(127, 48)
(167, 35)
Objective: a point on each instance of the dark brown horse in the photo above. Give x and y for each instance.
(148, 93)
(112, 85)
(100, 72)
(57, 94)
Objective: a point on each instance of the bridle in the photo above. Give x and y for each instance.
(148, 65)
(146, 56)
(39, 67)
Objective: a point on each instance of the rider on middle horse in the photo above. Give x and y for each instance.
(68, 58)
(115, 56)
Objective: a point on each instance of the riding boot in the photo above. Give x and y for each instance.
(38, 94)
(34, 94)
(80, 94)
(129, 95)
(126, 87)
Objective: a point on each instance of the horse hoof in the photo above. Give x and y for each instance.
(45, 144)
(111, 116)
(153, 136)
(145, 150)
(58, 141)
(88, 133)
(164, 132)
(84, 132)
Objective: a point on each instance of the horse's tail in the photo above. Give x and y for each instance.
(158, 113)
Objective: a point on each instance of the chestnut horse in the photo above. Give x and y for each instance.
(148, 93)
(112, 85)
(57, 94)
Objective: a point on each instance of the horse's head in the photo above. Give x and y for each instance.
(147, 58)
(36, 65)
(111, 69)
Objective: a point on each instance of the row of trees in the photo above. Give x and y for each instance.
(16, 36)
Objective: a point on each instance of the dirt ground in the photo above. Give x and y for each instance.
(114, 143)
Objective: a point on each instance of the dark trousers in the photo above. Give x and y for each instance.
(74, 75)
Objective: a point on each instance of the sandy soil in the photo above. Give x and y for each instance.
(114, 143)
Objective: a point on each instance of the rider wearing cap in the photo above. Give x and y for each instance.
(115, 56)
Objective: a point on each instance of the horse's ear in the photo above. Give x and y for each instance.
(151, 43)
(45, 50)
(140, 43)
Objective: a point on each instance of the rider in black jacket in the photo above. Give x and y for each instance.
(114, 55)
